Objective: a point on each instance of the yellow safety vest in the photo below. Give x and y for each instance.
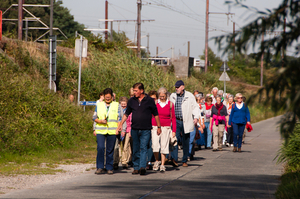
(112, 118)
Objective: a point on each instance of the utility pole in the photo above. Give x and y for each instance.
(233, 41)
(111, 31)
(156, 51)
(282, 55)
(206, 36)
(148, 44)
(106, 17)
(188, 49)
(51, 17)
(139, 7)
(20, 19)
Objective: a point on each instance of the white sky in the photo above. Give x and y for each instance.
(170, 28)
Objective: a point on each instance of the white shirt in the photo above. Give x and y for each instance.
(163, 104)
(239, 106)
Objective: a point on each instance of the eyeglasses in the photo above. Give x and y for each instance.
(239, 98)
(177, 86)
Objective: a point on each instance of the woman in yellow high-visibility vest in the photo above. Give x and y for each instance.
(107, 114)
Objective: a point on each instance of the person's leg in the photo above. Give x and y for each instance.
(100, 151)
(126, 150)
(155, 142)
(110, 144)
(235, 129)
(244, 135)
(166, 132)
(185, 145)
(208, 133)
(135, 149)
(241, 128)
(116, 157)
(179, 127)
(216, 137)
(230, 135)
(144, 137)
(191, 141)
(221, 128)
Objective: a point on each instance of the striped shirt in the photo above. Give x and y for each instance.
(178, 109)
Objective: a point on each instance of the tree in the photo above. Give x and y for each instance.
(283, 93)
(213, 59)
(61, 19)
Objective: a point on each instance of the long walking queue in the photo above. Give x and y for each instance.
(149, 128)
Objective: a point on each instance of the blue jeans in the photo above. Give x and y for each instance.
(238, 130)
(185, 142)
(110, 145)
(140, 139)
(208, 134)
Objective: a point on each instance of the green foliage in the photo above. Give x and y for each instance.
(289, 187)
(32, 117)
(215, 62)
(61, 19)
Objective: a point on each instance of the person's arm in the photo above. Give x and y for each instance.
(96, 119)
(248, 115)
(230, 117)
(196, 111)
(158, 124)
(173, 120)
(120, 124)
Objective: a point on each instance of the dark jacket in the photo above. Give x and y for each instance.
(141, 112)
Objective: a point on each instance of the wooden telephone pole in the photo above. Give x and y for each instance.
(139, 7)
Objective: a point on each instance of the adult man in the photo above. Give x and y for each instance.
(187, 115)
(142, 108)
(214, 93)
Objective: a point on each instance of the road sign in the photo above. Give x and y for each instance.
(88, 103)
(78, 46)
(224, 77)
(224, 65)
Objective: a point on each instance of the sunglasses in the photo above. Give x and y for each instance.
(239, 97)
(177, 86)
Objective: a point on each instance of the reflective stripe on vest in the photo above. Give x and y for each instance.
(112, 122)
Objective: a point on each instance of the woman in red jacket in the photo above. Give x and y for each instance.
(160, 142)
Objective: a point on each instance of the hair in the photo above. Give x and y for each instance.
(140, 86)
(220, 91)
(208, 99)
(162, 90)
(244, 99)
(219, 96)
(153, 93)
(196, 91)
(238, 95)
(108, 91)
(214, 88)
(101, 94)
(131, 91)
(123, 99)
(229, 96)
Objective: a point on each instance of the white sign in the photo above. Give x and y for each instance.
(224, 77)
(84, 48)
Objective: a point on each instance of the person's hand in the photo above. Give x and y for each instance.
(248, 123)
(122, 134)
(95, 134)
(119, 128)
(195, 121)
(173, 134)
(117, 132)
(104, 121)
(203, 126)
(158, 131)
(229, 126)
(201, 130)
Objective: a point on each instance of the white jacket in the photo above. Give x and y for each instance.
(190, 110)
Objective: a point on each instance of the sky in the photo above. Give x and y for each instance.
(176, 21)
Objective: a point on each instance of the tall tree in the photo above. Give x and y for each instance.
(284, 91)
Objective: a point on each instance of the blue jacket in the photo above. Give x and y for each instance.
(239, 116)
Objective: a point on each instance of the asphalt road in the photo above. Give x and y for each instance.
(250, 174)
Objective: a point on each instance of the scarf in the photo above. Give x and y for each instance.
(208, 107)
(219, 108)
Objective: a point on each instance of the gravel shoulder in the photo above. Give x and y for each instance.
(19, 182)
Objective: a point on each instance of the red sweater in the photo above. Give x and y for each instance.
(164, 116)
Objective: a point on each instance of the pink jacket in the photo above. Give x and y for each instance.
(216, 119)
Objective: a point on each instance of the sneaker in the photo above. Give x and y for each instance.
(231, 145)
(188, 159)
(110, 172)
(162, 168)
(100, 171)
(227, 144)
(156, 166)
(142, 171)
(135, 172)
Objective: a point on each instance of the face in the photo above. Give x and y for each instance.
(230, 100)
(162, 97)
(208, 103)
(196, 93)
(240, 99)
(71, 98)
(101, 98)
(179, 89)
(108, 98)
(154, 98)
(218, 100)
(137, 92)
(198, 100)
(123, 105)
(215, 92)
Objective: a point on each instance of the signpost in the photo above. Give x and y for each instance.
(80, 51)
(224, 77)
(52, 62)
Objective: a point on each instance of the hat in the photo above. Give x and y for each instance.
(179, 83)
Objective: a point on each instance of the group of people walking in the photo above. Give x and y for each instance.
(152, 125)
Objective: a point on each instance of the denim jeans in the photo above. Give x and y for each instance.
(185, 142)
(238, 130)
(191, 142)
(140, 139)
(208, 134)
(110, 144)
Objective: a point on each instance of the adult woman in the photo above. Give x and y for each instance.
(207, 114)
(218, 121)
(239, 116)
(202, 141)
(160, 142)
(229, 105)
(107, 115)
